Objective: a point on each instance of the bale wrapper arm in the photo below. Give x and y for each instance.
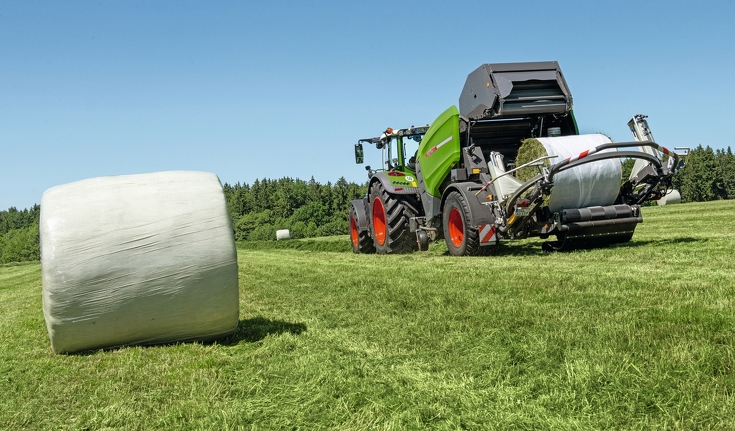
(652, 183)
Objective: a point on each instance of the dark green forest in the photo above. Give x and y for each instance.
(307, 209)
(310, 209)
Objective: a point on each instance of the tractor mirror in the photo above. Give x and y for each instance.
(359, 156)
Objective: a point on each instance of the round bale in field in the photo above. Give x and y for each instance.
(137, 259)
(596, 183)
(671, 197)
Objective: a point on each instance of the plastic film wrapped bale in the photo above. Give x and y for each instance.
(596, 183)
(137, 259)
(530, 150)
(671, 197)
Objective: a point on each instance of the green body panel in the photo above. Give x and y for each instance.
(439, 151)
(402, 178)
(574, 121)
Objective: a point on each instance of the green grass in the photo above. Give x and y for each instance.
(328, 243)
(636, 336)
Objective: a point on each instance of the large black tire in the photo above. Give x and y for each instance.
(361, 241)
(389, 215)
(461, 238)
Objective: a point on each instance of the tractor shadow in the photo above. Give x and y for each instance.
(510, 249)
(257, 328)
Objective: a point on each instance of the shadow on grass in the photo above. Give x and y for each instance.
(248, 330)
(665, 241)
(510, 248)
(255, 329)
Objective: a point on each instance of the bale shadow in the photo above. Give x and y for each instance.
(248, 330)
(257, 328)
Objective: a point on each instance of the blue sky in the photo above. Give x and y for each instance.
(249, 90)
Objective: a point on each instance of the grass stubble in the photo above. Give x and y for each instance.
(635, 336)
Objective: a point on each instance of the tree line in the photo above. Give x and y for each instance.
(310, 209)
(708, 175)
(19, 241)
(307, 209)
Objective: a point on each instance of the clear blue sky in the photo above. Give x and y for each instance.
(255, 89)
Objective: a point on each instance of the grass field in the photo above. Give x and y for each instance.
(637, 336)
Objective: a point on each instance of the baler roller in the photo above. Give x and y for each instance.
(607, 212)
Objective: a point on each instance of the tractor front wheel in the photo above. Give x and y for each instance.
(461, 238)
(361, 241)
(389, 215)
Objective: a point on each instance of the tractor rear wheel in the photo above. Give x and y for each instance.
(361, 241)
(389, 215)
(461, 238)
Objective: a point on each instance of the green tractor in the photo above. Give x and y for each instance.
(380, 222)
(456, 179)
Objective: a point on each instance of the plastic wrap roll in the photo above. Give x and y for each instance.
(137, 259)
(596, 183)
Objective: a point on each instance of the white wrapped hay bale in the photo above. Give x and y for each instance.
(282, 234)
(671, 197)
(591, 184)
(137, 259)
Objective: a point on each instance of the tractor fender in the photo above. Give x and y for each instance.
(479, 213)
(389, 187)
(361, 212)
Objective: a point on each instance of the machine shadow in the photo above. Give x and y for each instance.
(257, 328)
(664, 241)
(535, 248)
(510, 249)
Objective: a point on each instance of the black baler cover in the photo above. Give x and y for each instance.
(515, 90)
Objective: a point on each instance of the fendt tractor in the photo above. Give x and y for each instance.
(456, 178)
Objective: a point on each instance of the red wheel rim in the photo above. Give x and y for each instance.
(379, 225)
(353, 232)
(456, 227)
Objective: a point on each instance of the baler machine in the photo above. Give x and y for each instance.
(461, 181)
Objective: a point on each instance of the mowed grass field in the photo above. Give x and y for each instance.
(636, 336)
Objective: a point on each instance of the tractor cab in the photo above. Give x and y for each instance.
(399, 150)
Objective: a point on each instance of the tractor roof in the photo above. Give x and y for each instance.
(390, 133)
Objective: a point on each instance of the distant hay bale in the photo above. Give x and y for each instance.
(671, 197)
(283, 234)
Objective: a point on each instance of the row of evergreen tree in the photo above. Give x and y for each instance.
(310, 209)
(19, 235)
(307, 209)
(708, 175)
